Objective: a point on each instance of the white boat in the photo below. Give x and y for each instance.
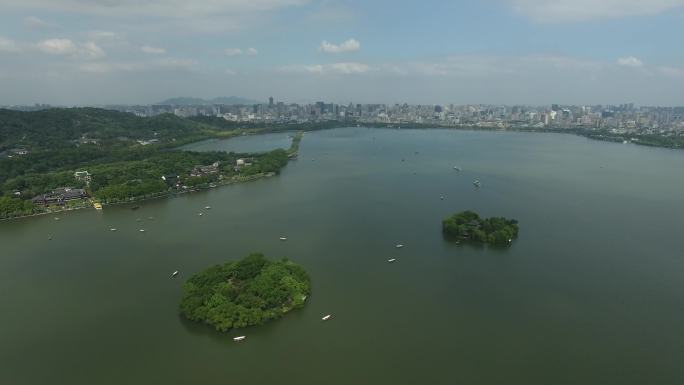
(175, 273)
(239, 338)
(283, 238)
(457, 168)
(476, 183)
(399, 246)
(441, 197)
(142, 230)
(112, 229)
(207, 207)
(326, 317)
(391, 260)
(200, 214)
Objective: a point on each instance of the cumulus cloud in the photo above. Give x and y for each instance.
(152, 50)
(343, 68)
(552, 11)
(629, 61)
(66, 47)
(350, 45)
(252, 51)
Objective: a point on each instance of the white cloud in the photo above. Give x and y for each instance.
(484, 66)
(552, 11)
(629, 61)
(104, 36)
(152, 50)
(8, 45)
(350, 45)
(343, 68)
(35, 23)
(66, 47)
(137, 66)
(155, 8)
(91, 50)
(58, 46)
(233, 51)
(674, 72)
(238, 51)
(230, 72)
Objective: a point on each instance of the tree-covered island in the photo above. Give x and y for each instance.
(468, 225)
(243, 293)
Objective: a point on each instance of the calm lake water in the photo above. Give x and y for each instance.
(247, 143)
(592, 291)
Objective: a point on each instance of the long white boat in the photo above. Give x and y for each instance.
(399, 246)
(175, 273)
(326, 317)
(391, 260)
(283, 238)
(142, 230)
(239, 338)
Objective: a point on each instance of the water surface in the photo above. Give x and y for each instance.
(246, 143)
(590, 293)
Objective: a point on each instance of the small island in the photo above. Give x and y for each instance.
(247, 292)
(468, 225)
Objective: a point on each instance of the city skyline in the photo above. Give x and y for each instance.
(534, 52)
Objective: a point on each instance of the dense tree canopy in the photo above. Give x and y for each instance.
(468, 225)
(245, 292)
(11, 207)
(106, 144)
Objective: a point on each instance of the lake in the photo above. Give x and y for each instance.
(246, 143)
(591, 292)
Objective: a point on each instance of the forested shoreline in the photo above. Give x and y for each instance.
(121, 157)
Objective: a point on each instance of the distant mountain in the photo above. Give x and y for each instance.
(187, 101)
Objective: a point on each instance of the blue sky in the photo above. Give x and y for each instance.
(487, 51)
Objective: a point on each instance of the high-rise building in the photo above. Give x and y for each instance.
(270, 101)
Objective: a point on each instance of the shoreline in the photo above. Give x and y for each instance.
(293, 153)
(166, 195)
(89, 203)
